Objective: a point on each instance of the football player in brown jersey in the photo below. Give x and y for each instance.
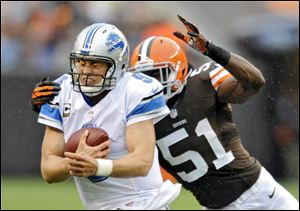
(198, 142)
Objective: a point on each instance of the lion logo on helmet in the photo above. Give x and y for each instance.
(114, 42)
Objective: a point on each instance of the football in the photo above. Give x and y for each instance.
(96, 136)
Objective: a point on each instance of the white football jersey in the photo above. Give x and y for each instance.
(136, 97)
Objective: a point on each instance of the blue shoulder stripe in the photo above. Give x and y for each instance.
(51, 112)
(148, 107)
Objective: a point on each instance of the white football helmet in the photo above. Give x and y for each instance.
(100, 42)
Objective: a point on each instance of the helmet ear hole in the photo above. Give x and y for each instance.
(183, 71)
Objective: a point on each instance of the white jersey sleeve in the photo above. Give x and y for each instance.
(145, 99)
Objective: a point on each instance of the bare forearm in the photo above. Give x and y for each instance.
(141, 149)
(131, 165)
(54, 169)
(246, 73)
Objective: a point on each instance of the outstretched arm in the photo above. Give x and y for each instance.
(247, 79)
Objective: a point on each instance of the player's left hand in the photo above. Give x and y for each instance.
(193, 37)
(100, 151)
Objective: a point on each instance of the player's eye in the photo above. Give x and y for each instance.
(97, 64)
(80, 62)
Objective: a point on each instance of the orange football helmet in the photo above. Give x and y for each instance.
(163, 59)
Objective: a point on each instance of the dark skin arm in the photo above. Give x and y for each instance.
(247, 79)
(246, 83)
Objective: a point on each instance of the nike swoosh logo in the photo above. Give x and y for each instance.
(271, 196)
(154, 90)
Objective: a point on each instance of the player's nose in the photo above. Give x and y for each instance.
(87, 69)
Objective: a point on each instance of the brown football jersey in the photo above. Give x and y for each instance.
(199, 144)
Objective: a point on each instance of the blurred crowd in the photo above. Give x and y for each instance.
(272, 40)
(37, 37)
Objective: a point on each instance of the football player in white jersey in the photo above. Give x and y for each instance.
(99, 92)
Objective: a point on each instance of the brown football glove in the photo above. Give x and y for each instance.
(43, 92)
(193, 37)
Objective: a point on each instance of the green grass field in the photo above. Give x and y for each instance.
(34, 194)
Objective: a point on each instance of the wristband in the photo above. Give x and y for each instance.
(104, 167)
(217, 53)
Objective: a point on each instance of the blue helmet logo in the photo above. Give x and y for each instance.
(114, 42)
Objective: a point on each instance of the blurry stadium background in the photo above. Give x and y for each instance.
(36, 38)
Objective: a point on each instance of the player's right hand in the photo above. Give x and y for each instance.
(43, 92)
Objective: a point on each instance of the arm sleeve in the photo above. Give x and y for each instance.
(218, 75)
(148, 102)
(50, 115)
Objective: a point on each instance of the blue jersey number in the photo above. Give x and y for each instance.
(143, 78)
